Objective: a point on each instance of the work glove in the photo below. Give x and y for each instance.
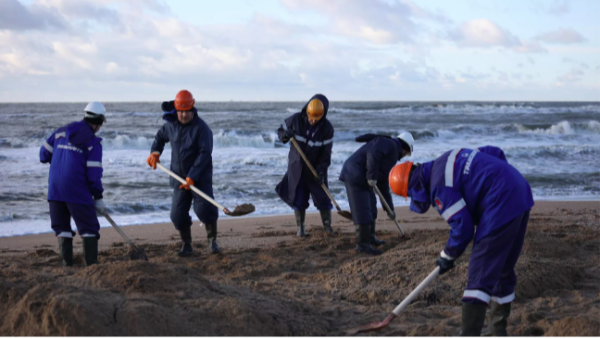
(391, 215)
(287, 135)
(188, 182)
(100, 206)
(444, 262)
(372, 183)
(320, 178)
(153, 159)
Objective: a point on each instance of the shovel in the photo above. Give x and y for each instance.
(376, 326)
(345, 214)
(240, 210)
(389, 210)
(138, 253)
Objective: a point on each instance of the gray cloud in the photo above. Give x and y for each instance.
(15, 16)
(561, 36)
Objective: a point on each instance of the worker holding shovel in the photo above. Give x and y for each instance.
(75, 182)
(367, 168)
(312, 133)
(191, 157)
(475, 187)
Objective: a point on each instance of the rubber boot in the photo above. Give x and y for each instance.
(90, 250)
(65, 246)
(363, 239)
(473, 317)
(374, 241)
(300, 215)
(211, 235)
(326, 218)
(186, 239)
(498, 320)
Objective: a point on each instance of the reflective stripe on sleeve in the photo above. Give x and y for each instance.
(94, 164)
(48, 147)
(452, 210)
(477, 294)
(328, 141)
(60, 135)
(299, 138)
(449, 173)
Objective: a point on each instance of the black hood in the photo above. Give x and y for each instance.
(323, 99)
(370, 136)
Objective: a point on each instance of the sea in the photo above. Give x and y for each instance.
(555, 145)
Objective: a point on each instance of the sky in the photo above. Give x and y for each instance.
(288, 50)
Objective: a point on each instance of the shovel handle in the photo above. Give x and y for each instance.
(112, 222)
(416, 291)
(202, 194)
(314, 172)
(388, 209)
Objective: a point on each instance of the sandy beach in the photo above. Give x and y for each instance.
(268, 282)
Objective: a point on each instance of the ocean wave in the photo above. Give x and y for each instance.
(562, 128)
(466, 108)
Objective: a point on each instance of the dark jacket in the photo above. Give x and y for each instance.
(191, 146)
(314, 141)
(75, 156)
(373, 161)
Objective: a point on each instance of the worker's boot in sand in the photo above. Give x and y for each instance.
(326, 218)
(186, 238)
(300, 216)
(65, 245)
(498, 320)
(374, 241)
(473, 317)
(211, 235)
(363, 239)
(90, 250)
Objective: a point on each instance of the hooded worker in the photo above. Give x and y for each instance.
(475, 187)
(75, 182)
(191, 158)
(314, 134)
(370, 166)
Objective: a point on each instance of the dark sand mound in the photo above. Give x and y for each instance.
(314, 286)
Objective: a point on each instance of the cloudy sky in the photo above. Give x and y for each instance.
(147, 50)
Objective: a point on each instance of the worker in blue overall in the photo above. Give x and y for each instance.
(368, 167)
(314, 134)
(75, 182)
(487, 201)
(191, 158)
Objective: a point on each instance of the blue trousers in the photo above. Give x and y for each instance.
(363, 203)
(306, 188)
(84, 216)
(492, 265)
(182, 201)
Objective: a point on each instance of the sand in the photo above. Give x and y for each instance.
(269, 283)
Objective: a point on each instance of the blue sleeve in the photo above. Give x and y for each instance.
(94, 171)
(374, 155)
(47, 149)
(204, 158)
(494, 151)
(324, 160)
(161, 138)
(454, 210)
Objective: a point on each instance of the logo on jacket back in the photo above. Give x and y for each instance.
(438, 204)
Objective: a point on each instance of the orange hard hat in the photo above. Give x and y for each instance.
(399, 178)
(184, 101)
(315, 109)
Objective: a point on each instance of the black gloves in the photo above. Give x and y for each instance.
(444, 264)
(287, 135)
(392, 215)
(320, 178)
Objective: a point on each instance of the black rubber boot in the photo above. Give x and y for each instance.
(498, 320)
(374, 241)
(326, 218)
(186, 239)
(211, 235)
(65, 246)
(473, 317)
(90, 250)
(300, 216)
(363, 240)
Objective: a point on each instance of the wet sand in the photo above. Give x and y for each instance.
(268, 282)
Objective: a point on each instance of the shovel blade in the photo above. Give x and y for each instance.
(138, 254)
(376, 326)
(242, 209)
(345, 214)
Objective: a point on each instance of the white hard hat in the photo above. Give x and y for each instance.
(408, 139)
(95, 110)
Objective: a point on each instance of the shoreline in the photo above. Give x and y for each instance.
(242, 232)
